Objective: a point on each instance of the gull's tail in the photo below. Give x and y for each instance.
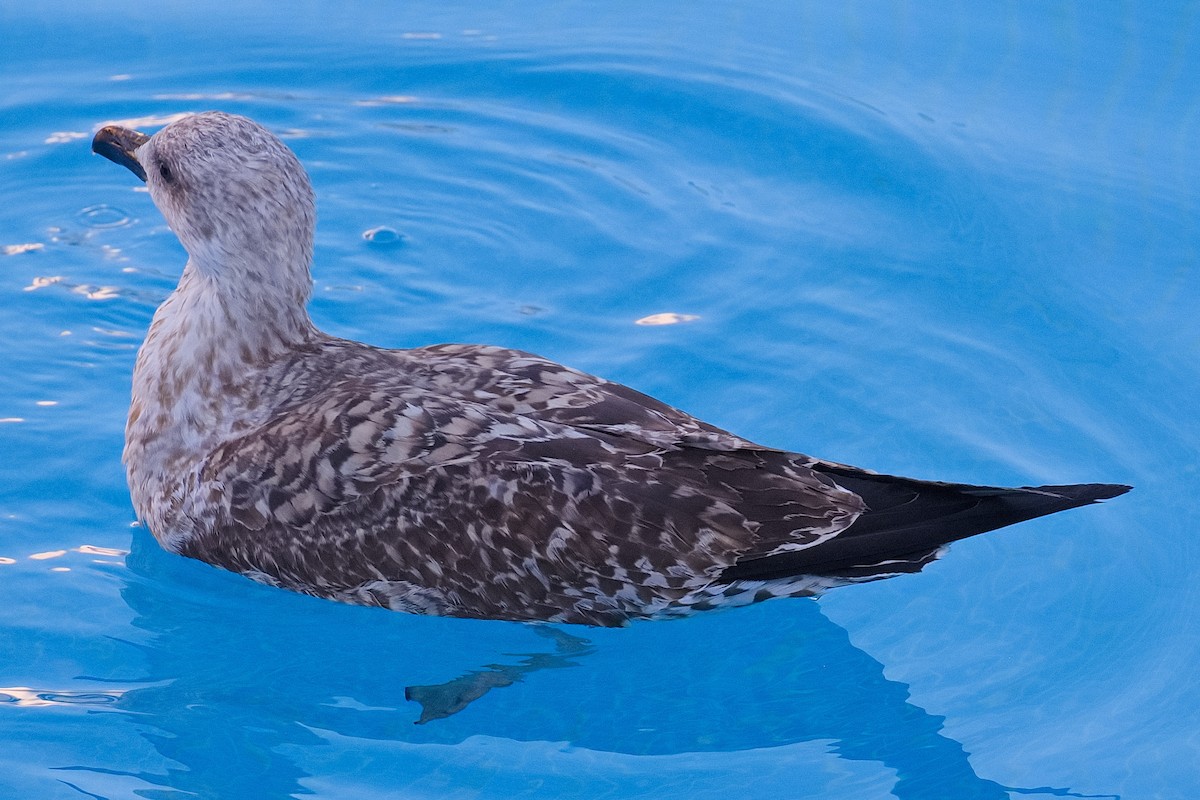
(908, 521)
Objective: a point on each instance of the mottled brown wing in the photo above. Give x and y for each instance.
(352, 440)
(521, 383)
(460, 506)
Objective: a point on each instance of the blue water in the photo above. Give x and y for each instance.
(956, 242)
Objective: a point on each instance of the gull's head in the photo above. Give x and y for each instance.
(234, 194)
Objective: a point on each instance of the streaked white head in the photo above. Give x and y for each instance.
(235, 195)
(242, 206)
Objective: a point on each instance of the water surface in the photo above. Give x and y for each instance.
(953, 243)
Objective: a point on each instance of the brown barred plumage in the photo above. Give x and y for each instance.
(455, 479)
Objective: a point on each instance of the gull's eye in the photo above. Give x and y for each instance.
(165, 171)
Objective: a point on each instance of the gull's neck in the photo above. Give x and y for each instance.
(245, 313)
(211, 345)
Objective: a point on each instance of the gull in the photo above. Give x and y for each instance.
(463, 480)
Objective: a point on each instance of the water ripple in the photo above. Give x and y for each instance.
(103, 215)
(24, 696)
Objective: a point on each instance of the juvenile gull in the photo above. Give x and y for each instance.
(456, 479)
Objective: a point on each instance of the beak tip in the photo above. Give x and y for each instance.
(118, 145)
(104, 135)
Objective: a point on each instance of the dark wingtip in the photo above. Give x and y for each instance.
(1083, 493)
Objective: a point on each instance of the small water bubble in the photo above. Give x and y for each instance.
(103, 216)
(383, 235)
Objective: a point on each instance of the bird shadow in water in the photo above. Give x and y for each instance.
(877, 722)
(441, 700)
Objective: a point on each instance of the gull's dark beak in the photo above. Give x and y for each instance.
(118, 145)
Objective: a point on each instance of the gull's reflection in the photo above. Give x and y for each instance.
(247, 684)
(439, 701)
